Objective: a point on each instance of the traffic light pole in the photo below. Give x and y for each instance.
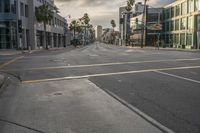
(144, 29)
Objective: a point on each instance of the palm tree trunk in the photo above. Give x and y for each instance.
(45, 37)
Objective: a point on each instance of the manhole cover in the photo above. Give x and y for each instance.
(57, 94)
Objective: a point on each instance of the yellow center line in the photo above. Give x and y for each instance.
(10, 62)
(106, 74)
(105, 64)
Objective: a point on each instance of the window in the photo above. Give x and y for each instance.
(198, 23)
(167, 12)
(197, 4)
(167, 26)
(182, 39)
(26, 10)
(183, 23)
(22, 9)
(184, 8)
(177, 24)
(167, 38)
(189, 39)
(172, 25)
(5, 6)
(176, 39)
(190, 6)
(14, 7)
(177, 10)
(172, 12)
(171, 39)
(190, 22)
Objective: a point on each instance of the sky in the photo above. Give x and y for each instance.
(101, 12)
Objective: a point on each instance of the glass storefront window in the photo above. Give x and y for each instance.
(167, 38)
(182, 39)
(183, 23)
(189, 39)
(184, 8)
(171, 40)
(176, 39)
(167, 26)
(7, 35)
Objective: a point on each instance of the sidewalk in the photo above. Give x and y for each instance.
(10, 52)
(70, 106)
(161, 48)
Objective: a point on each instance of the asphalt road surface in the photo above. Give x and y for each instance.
(163, 84)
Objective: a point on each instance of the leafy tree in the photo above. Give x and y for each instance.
(44, 15)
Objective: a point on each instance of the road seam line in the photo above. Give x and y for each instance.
(106, 74)
(11, 61)
(106, 64)
(179, 77)
(140, 113)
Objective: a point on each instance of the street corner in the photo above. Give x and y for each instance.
(2, 80)
(10, 52)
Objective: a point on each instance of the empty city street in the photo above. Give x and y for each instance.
(101, 88)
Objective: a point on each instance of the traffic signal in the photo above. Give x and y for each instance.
(20, 26)
(136, 20)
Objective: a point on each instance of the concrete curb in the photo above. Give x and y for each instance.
(166, 49)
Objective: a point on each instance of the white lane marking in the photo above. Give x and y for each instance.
(104, 64)
(176, 76)
(141, 114)
(106, 74)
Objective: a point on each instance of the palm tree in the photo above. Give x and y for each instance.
(85, 20)
(130, 4)
(129, 7)
(74, 26)
(112, 22)
(44, 15)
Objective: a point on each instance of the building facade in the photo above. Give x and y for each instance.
(20, 29)
(124, 19)
(98, 32)
(153, 27)
(182, 24)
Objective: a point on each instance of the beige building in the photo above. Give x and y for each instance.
(182, 24)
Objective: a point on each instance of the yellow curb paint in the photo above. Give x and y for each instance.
(106, 74)
(10, 62)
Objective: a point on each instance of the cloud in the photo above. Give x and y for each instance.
(100, 11)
